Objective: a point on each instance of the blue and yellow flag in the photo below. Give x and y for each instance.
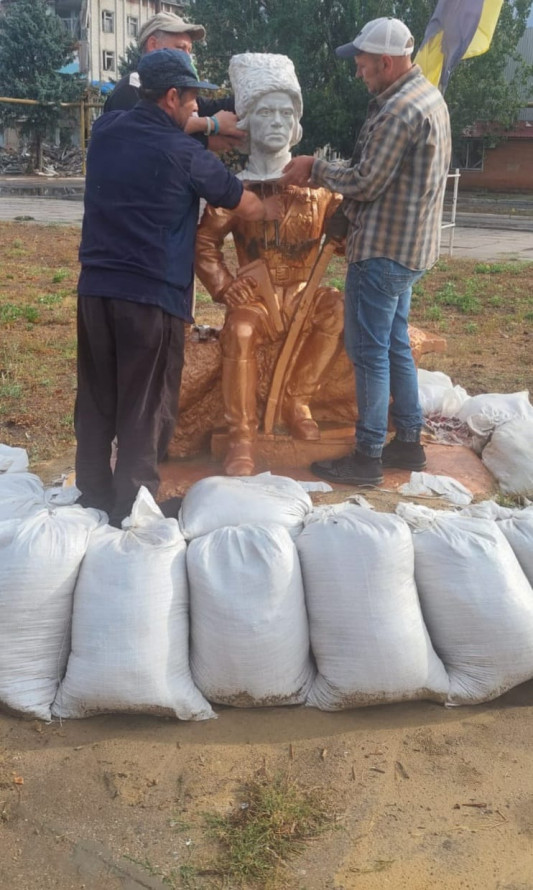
(458, 29)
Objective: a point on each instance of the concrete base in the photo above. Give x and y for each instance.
(276, 452)
(457, 461)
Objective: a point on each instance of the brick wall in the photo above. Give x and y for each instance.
(507, 167)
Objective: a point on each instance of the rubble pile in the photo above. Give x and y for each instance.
(57, 161)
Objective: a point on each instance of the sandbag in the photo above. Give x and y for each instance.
(130, 624)
(249, 633)
(40, 557)
(13, 460)
(20, 494)
(438, 395)
(509, 456)
(516, 525)
(218, 501)
(476, 601)
(367, 632)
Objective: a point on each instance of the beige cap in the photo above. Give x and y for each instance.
(173, 24)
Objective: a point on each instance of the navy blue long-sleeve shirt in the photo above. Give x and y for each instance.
(144, 181)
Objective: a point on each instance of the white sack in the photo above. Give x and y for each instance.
(249, 633)
(367, 632)
(40, 557)
(13, 460)
(484, 412)
(438, 395)
(240, 500)
(130, 623)
(426, 485)
(509, 456)
(516, 525)
(20, 495)
(476, 600)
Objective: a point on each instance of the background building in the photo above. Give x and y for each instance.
(103, 29)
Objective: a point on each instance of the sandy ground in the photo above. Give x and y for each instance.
(425, 796)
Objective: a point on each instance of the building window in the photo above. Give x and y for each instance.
(469, 154)
(108, 21)
(132, 25)
(108, 60)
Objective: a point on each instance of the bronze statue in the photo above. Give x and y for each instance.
(278, 268)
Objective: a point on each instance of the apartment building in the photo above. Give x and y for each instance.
(104, 28)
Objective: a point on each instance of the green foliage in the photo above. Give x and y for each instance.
(34, 46)
(130, 60)
(334, 102)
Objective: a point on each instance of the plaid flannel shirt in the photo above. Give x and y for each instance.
(393, 188)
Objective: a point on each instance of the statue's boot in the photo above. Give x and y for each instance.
(239, 378)
(317, 353)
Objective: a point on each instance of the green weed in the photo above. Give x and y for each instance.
(271, 825)
(50, 299)
(60, 275)
(512, 268)
(10, 312)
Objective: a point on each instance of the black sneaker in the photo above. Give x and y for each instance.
(171, 507)
(404, 455)
(354, 469)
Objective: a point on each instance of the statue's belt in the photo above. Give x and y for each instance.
(283, 274)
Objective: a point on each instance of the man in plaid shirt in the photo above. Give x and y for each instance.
(393, 191)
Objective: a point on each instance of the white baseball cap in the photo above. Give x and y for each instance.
(383, 37)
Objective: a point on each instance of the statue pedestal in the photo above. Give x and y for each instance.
(282, 451)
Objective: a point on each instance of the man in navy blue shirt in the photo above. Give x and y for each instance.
(145, 178)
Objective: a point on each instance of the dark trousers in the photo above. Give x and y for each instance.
(130, 358)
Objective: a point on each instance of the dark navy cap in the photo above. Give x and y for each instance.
(166, 68)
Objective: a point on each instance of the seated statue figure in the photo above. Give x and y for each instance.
(275, 259)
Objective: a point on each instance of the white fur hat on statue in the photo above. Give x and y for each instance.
(252, 75)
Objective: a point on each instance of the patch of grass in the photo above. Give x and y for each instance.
(271, 825)
(336, 282)
(465, 302)
(470, 327)
(10, 390)
(10, 312)
(50, 299)
(60, 275)
(514, 268)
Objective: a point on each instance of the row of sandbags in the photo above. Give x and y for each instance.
(255, 598)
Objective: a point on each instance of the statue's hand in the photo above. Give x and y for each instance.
(239, 292)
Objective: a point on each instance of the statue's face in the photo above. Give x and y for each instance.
(271, 123)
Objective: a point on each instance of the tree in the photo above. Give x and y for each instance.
(130, 60)
(334, 102)
(34, 46)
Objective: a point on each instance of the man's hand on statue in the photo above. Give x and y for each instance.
(297, 171)
(227, 126)
(240, 292)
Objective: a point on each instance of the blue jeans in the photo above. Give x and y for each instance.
(377, 301)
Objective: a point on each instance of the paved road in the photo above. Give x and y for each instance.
(476, 242)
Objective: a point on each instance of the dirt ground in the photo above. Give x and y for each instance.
(424, 797)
